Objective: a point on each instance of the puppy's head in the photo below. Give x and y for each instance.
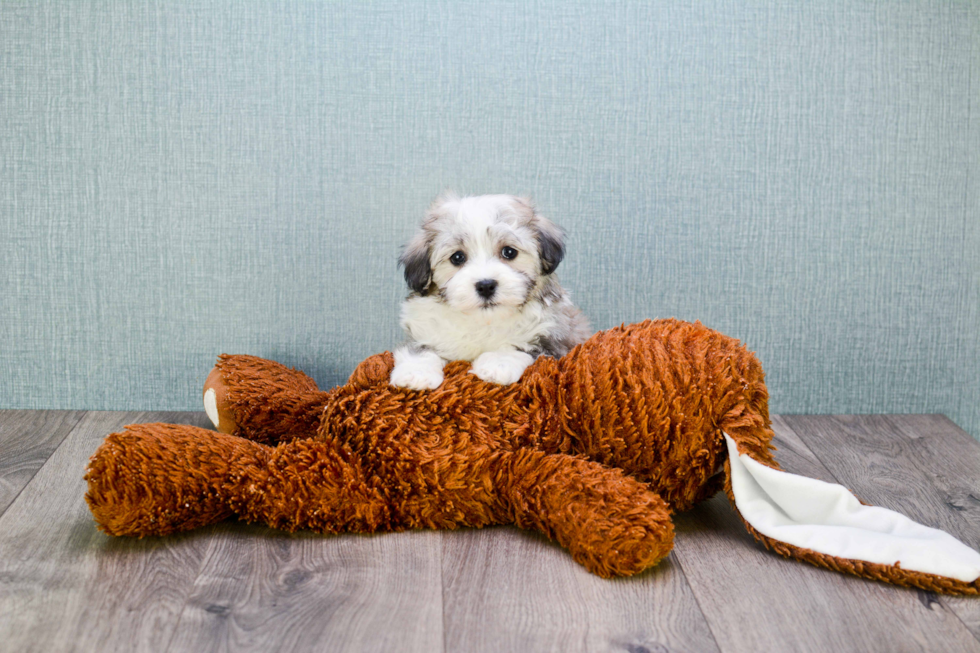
(482, 252)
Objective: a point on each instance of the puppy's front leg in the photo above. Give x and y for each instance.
(417, 369)
(504, 367)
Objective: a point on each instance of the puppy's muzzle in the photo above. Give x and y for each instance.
(485, 288)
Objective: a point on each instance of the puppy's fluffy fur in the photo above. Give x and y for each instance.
(481, 273)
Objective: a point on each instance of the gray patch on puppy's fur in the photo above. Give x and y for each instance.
(458, 249)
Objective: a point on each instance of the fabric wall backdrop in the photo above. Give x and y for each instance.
(183, 179)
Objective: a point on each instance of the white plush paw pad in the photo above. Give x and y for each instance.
(211, 406)
(503, 367)
(417, 370)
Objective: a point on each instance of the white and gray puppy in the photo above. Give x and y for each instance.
(481, 273)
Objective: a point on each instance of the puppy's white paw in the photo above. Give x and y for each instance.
(502, 367)
(416, 379)
(417, 370)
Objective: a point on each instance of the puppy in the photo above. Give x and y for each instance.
(481, 274)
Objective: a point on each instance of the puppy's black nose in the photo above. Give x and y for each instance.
(486, 287)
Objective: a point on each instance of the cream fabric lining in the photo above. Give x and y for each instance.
(827, 518)
(211, 406)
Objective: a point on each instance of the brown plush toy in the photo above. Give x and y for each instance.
(595, 450)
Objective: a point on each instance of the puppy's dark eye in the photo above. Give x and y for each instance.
(508, 253)
(458, 259)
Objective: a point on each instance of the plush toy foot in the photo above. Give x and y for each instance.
(262, 400)
(155, 479)
(612, 524)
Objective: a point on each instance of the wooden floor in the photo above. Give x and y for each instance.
(66, 586)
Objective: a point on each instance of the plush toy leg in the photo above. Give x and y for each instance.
(262, 400)
(611, 523)
(155, 479)
(825, 525)
(312, 484)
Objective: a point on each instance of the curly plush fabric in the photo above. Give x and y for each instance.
(594, 450)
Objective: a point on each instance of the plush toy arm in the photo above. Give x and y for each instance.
(155, 479)
(262, 400)
(611, 523)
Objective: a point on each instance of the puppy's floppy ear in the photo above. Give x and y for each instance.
(415, 259)
(551, 243)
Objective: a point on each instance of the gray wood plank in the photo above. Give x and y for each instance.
(951, 459)
(27, 438)
(755, 600)
(262, 590)
(511, 590)
(923, 466)
(64, 585)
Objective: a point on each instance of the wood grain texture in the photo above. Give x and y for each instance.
(923, 466)
(512, 590)
(27, 439)
(64, 585)
(754, 600)
(263, 590)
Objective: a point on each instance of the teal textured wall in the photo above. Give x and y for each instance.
(183, 179)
